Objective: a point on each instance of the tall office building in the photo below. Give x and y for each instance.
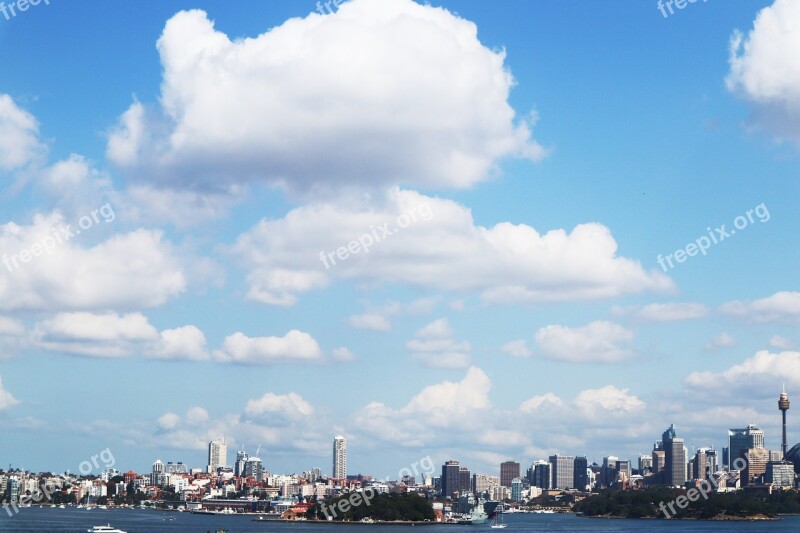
(624, 471)
(741, 440)
(608, 472)
(450, 479)
(645, 464)
(563, 471)
(339, 457)
(238, 466)
(756, 466)
(217, 455)
(674, 458)
(658, 458)
(542, 475)
(581, 481)
(483, 483)
(704, 463)
(508, 471)
(464, 480)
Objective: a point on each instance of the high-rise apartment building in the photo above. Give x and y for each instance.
(339, 470)
(253, 467)
(217, 455)
(674, 458)
(563, 471)
(508, 471)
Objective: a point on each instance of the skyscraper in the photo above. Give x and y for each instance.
(450, 478)
(581, 473)
(674, 458)
(253, 467)
(238, 467)
(217, 455)
(563, 471)
(757, 459)
(339, 457)
(608, 473)
(508, 471)
(542, 475)
(464, 481)
(741, 440)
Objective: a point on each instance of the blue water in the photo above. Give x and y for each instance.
(147, 521)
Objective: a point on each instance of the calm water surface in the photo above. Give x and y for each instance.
(146, 521)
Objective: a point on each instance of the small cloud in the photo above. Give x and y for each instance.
(295, 346)
(517, 348)
(666, 312)
(343, 354)
(433, 345)
(723, 340)
(371, 321)
(781, 343)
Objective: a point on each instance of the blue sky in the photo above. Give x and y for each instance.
(541, 156)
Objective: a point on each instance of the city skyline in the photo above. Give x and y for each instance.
(437, 229)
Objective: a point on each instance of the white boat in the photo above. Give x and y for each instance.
(105, 529)
(498, 523)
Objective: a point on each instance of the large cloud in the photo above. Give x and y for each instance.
(761, 374)
(114, 335)
(765, 68)
(423, 241)
(44, 268)
(380, 92)
(782, 306)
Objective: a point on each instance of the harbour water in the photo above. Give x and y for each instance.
(53, 520)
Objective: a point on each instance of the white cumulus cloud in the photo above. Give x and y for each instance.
(379, 92)
(765, 68)
(295, 346)
(597, 342)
